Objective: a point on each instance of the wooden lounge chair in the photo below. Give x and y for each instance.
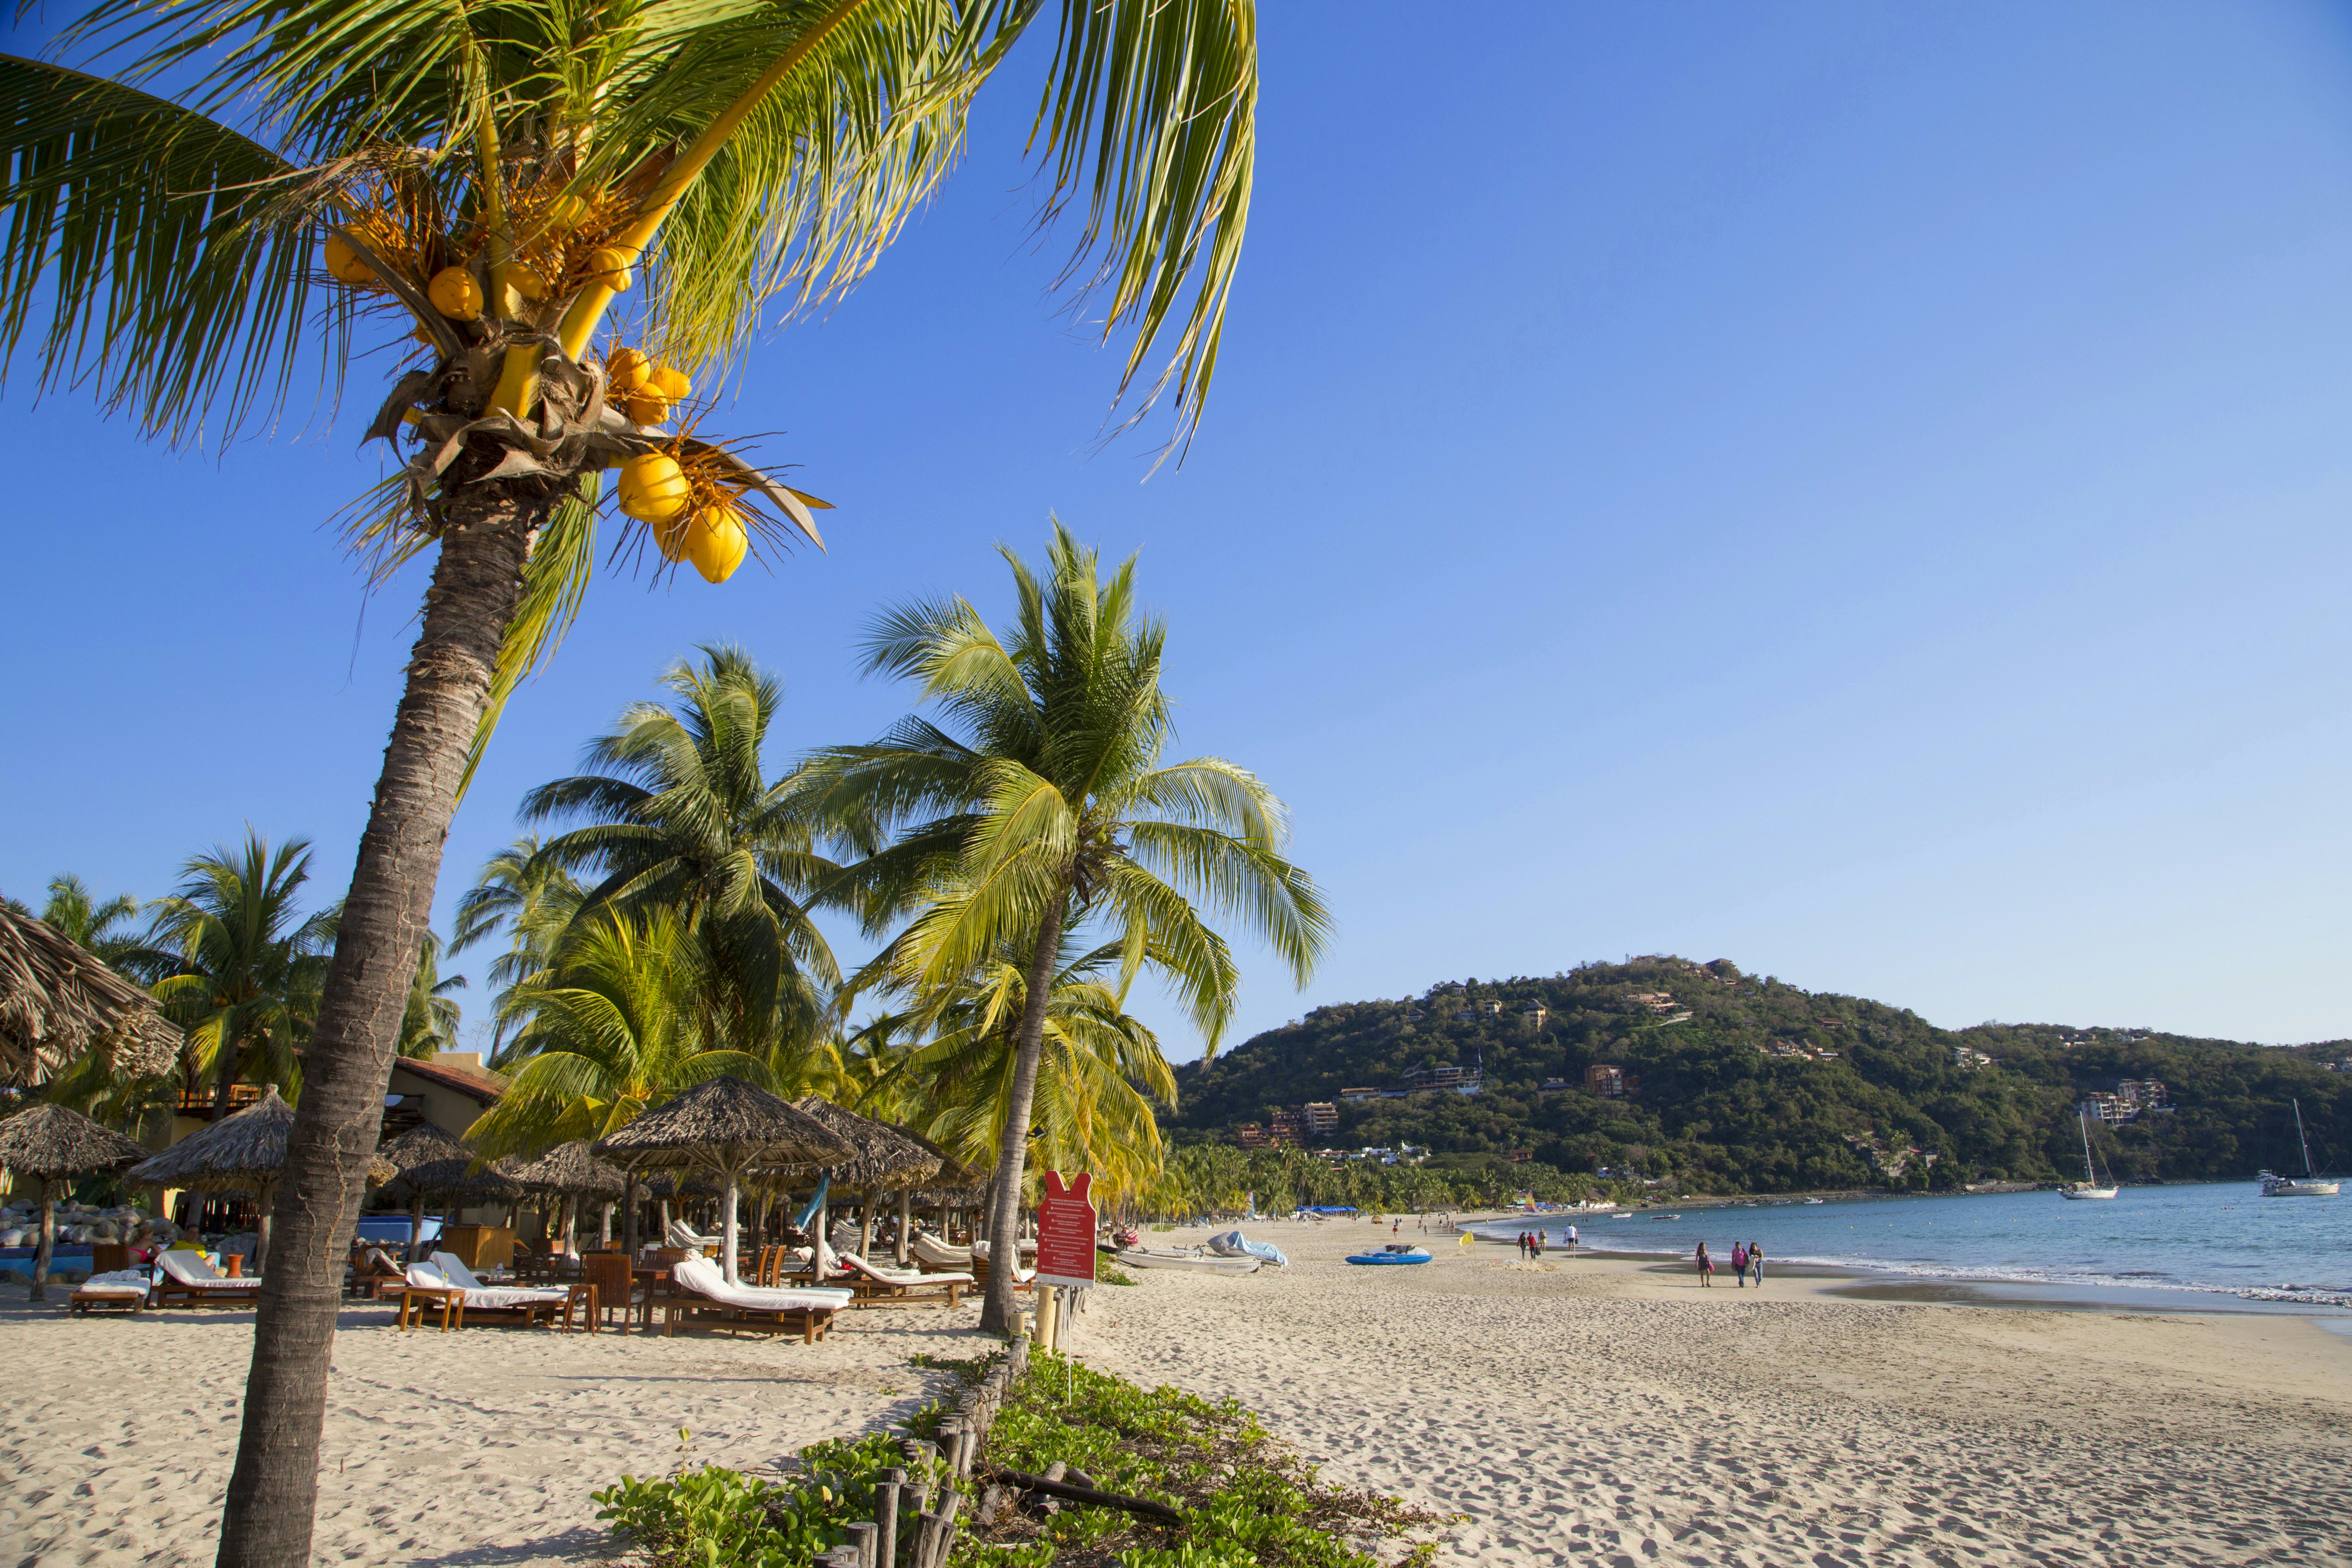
(529, 1304)
(703, 1294)
(875, 1283)
(186, 1276)
(375, 1273)
(931, 1252)
(110, 1292)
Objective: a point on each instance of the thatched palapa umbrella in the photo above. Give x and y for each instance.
(239, 1153)
(571, 1173)
(59, 1002)
(52, 1143)
(887, 1157)
(726, 1125)
(433, 1164)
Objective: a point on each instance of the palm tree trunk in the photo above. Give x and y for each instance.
(999, 1314)
(48, 1247)
(475, 588)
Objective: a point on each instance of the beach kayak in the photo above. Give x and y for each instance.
(1392, 1253)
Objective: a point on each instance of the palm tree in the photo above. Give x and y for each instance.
(247, 966)
(489, 179)
(533, 899)
(1038, 807)
(99, 928)
(620, 1028)
(681, 815)
(430, 1024)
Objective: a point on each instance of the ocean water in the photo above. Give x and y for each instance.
(2220, 1237)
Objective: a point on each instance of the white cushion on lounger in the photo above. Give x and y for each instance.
(900, 1276)
(704, 1278)
(440, 1274)
(119, 1282)
(189, 1268)
(931, 1249)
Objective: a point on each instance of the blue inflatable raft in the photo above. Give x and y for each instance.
(1394, 1252)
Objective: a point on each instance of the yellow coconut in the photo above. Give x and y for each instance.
(654, 489)
(344, 263)
(670, 537)
(671, 382)
(715, 542)
(647, 408)
(610, 266)
(626, 370)
(566, 213)
(454, 294)
(526, 281)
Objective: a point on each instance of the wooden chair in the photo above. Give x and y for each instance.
(613, 1288)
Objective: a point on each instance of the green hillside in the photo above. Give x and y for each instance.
(1860, 1094)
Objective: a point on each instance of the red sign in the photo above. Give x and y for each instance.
(1065, 1231)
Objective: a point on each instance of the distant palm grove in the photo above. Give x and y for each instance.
(1019, 854)
(1704, 1080)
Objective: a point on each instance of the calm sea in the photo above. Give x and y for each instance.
(2222, 1236)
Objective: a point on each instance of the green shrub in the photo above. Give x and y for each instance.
(717, 1518)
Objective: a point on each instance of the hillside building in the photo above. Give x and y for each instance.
(1322, 1116)
(1608, 1080)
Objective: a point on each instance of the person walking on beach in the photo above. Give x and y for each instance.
(1756, 1261)
(1706, 1265)
(1739, 1263)
(1571, 1241)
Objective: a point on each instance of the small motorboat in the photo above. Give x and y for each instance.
(1394, 1252)
(1197, 1262)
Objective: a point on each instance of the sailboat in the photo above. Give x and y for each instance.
(2088, 1187)
(2309, 1185)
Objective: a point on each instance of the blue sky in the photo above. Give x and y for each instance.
(1854, 489)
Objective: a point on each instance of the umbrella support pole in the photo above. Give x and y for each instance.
(906, 1224)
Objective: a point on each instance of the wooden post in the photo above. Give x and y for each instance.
(861, 1537)
(885, 1549)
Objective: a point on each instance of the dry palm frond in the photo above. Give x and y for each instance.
(58, 1003)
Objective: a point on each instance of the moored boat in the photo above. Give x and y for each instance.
(2311, 1183)
(1194, 1262)
(2089, 1186)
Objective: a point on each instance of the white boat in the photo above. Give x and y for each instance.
(2088, 1187)
(1197, 1262)
(2310, 1184)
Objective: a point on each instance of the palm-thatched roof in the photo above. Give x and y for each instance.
(887, 1156)
(50, 1140)
(570, 1169)
(678, 1183)
(725, 1125)
(422, 1144)
(57, 1003)
(237, 1152)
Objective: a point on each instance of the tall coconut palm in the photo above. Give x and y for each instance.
(429, 1025)
(247, 965)
(1037, 807)
(533, 899)
(490, 179)
(100, 926)
(681, 815)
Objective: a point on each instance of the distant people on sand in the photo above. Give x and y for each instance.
(1739, 1263)
(1756, 1262)
(1706, 1265)
(1571, 1240)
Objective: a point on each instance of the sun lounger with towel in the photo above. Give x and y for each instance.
(448, 1281)
(932, 1253)
(680, 1234)
(186, 1276)
(703, 1291)
(116, 1289)
(878, 1282)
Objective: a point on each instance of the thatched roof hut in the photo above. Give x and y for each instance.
(431, 1164)
(569, 1170)
(727, 1125)
(57, 1003)
(887, 1156)
(52, 1143)
(239, 1153)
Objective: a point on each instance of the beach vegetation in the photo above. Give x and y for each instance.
(241, 198)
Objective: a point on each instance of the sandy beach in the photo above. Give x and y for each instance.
(1569, 1410)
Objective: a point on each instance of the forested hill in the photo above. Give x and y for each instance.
(1747, 1084)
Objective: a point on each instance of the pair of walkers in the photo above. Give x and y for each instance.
(1745, 1255)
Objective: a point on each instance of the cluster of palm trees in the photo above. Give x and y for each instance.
(239, 967)
(1019, 852)
(1209, 1180)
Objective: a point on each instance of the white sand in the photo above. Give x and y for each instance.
(1572, 1411)
(118, 1434)
(1591, 1411)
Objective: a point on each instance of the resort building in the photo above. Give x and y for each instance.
(1352, 1095)
(1289, 1131)
(1322, 1116)
(1250, 1136)
(448, 1089)
(1608, 1080)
